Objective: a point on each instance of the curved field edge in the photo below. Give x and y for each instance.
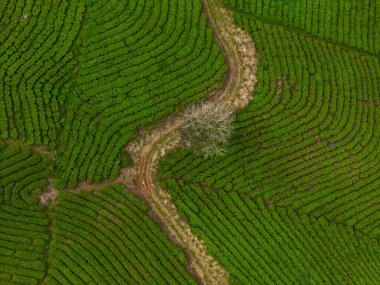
(309, 139)
(108, 237)
(285, 183)
(101, 237)
(260, 243)
(24, 224)
(239, 53)
(138, 62)
(36, 63)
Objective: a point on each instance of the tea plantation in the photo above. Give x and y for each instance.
(83, 76)
(137, 62)
(24, 225)
(87, 238)
(108, 238)
(295, 198)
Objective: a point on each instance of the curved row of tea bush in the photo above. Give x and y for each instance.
(261, 244)
(138, 61)
(310, 138)
(23, 223)
(350, 22)
(108, 238)
(35, 63)
(105, 238)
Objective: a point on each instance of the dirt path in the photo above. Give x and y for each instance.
(239, 53)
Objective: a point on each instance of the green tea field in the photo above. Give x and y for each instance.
(190, 142)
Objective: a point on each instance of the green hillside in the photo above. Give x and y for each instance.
(295, 198)
(137, 62)
(105, 237)
(24, 225)
(108, 238)
(98, 184)
(85, 75)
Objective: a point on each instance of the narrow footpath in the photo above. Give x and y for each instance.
(237, 88)
(235, 92)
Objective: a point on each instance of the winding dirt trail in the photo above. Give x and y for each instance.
(238, 85)
(240, 56)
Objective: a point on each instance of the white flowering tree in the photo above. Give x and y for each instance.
(207, 127)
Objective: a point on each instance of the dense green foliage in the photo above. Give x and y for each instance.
(108, 238)
(82, 77)
(104, 238)
(35, 62)
(295, 199)
(308, 146)
(354, 23)
(23, 224)
(137, 62)
(85, 75)
(261, 244)
(310, 138)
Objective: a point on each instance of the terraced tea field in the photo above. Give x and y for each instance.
(24, 225)
(96, 186)
(113, 239)
(132, 64)
(303, 163)
(309, 140)
(104, 238)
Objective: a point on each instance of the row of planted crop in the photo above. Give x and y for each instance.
(190, 84)
(138, 36)
(347, 200)
(143, 65)
(234, 233)
(108, 197)
(295, 145)
(23, 223)
(44, 57)
(219, 216)
(124, 244)
(351, 23)
(136, 18)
